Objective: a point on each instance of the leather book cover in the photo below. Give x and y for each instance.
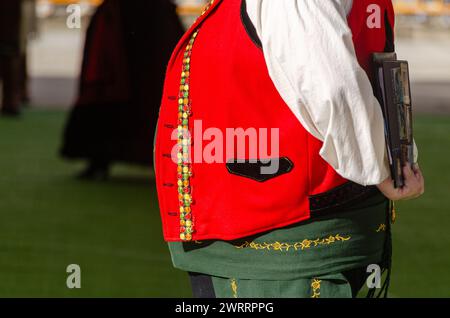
(393, 91)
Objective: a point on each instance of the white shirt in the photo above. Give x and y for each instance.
(311, 59)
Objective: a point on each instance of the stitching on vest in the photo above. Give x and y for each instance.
(303, 245)
(184, 169)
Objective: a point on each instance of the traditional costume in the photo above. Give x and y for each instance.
(128, 45)
(310, 228)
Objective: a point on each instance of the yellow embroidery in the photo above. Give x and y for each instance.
(315, 286)
(207, 6)
(234, 288)
(303, 245)
(381, 228)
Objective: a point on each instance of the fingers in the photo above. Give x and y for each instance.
(413, 187)
(414, 182)
(416, 168)
(408, 173)
(420, 180)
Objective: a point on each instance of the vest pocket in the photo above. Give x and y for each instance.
(260, 170)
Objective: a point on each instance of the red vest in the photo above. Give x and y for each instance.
(229, 87)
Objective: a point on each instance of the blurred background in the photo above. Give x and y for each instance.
(78, 94)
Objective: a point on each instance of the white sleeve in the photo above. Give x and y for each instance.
(311, 59)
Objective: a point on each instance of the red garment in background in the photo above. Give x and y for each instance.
(128, 45)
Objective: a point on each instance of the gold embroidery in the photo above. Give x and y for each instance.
(315, 286)
(207, 6)
(303, 245)
(234, 287)
(381, 228)
(184, 142)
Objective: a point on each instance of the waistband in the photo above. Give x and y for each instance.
(332, 243)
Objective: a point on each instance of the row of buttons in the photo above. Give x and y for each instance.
(184, 142)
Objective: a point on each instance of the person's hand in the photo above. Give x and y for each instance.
(414, 185)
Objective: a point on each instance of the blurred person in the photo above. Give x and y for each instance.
(127, 47)
(10, 56)
(312, 226)
(17, 22)
(29, 30)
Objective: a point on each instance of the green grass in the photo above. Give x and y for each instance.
(422, 231)
(49, 220)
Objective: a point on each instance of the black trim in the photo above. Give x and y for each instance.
(390, 45)
(248, 25)
(340, 198)
(252, 168)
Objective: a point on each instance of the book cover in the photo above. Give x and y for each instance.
(393, 90)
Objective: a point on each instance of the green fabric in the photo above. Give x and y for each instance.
(347, 240)
(328, 286)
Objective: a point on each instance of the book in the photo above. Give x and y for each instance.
(393, 91)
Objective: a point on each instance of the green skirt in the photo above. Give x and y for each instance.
(339, 242)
